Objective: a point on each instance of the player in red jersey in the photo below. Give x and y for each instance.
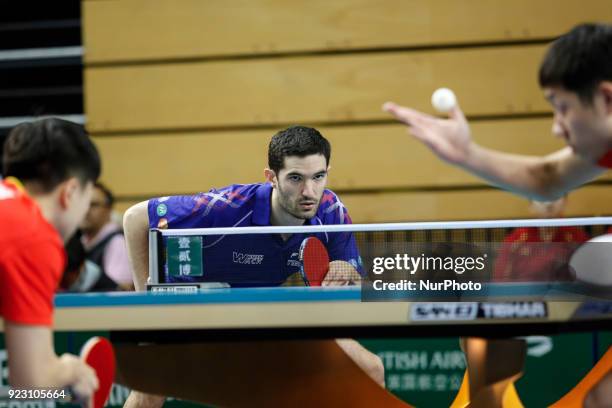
(49, 167)
(576, 77)
(538, 253)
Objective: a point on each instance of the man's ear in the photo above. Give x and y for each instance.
(67, 191)
(606, 89)
(270, 176)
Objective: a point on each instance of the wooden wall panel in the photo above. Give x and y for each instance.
(363, 157)
(184, 95)
(465, 205)
(133, 30)
(457, 205)
(340, 88)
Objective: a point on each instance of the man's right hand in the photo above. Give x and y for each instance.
(141, 400)
(449, 139)
(86, 380)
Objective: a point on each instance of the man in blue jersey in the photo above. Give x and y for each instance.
(294, 195)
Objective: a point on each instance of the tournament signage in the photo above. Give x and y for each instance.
(513, 310)
(184, 256)
(437, 311)
(454, 311)
(173, 288)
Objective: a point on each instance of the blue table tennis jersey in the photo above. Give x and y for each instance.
(253, 259)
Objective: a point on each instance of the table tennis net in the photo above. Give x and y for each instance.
(502, 251)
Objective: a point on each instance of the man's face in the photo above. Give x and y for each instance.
(98, 213)
(75, 199)
(300, 185)
(585, 128)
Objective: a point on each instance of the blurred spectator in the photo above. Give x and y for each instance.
(539, 253)
(81, 274)
(104, 242)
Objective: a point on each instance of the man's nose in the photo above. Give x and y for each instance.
(557, 128)
(309, 189)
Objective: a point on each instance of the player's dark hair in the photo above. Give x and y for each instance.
(75, 253)
(50, 151)
(579, 60)
(298, 141)
(108, 195)
(75, 258)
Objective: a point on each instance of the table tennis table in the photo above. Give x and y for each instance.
(254, 338)
(323, 312)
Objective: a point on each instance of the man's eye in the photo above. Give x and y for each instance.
(295, 178)
(562, 108)
(319, 176)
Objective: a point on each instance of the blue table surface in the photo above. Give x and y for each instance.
(208, 296)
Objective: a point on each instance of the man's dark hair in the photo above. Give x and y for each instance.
(75, 253)
(108, 195)
(50, 151)
(579, 60)
(298, 141)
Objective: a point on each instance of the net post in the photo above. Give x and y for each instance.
(154, 236)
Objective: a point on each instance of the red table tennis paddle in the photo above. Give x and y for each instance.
(98, 353)
(314, 261)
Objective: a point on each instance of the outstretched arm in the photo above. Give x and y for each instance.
(34, 364)
(543, 178)
(136, 230)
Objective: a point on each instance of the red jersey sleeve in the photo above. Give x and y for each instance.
(30, 277)
(580, 236)
(503, 269)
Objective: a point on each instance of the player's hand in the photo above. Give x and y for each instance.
(86, 381)
(341, 273)
(138, 399)
(449, 139)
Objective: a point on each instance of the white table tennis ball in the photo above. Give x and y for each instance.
(443, 100)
